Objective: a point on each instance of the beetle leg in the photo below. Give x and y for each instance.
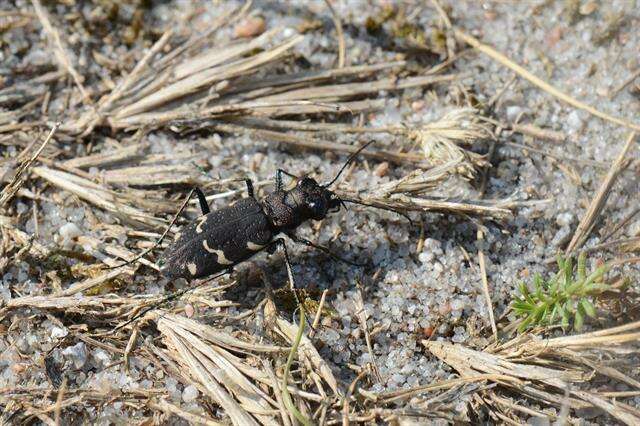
(204, 206)
(323, 249)
(271, 248)
(166, 231)
(249, 187)
(280, 242)
(279, 174)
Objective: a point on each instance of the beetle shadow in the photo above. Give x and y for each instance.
(267, 276)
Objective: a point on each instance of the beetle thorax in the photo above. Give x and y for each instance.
(307, 200)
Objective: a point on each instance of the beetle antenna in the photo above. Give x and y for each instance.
(351, 200)
(349, 161)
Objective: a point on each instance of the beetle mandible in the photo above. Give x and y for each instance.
(220, 239)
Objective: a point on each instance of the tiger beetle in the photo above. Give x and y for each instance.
(221, 239)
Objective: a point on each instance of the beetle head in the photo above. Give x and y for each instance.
(316, 200)
(310, 200)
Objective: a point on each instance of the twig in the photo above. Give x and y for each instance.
(347, 397)
(595, 208)
(59, 399)
(319, 144)
(624, 84)
(361, 314)
(266, 365)
(621, 224)
(538, 132)
(60, 51)
(318, 316)
(163, 405)
(127, 81)
(286, 396)
(9, 191)
(90, 283)
(614, 243)
(443, 15)
(130, 344)
(502, 59)
(564, 158)
(485, 286)
(342, 51)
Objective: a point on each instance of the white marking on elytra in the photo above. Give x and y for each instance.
(177, 236)
(192, 268)
(253, 246)
(201, 221)
(221, 259)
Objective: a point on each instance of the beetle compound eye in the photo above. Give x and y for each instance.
(318, 208)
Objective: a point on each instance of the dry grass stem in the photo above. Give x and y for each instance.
(342, 50)
(635, 74)
(595, 208)
(485, 287)
(537, 132)
(18, 179)
(522, 72)
(96, 195)
(544, 384)
(62, 53)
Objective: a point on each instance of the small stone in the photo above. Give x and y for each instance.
(250, 27)
(58, 332)
(589, 7)
(538, 421)
(19, 368)
(188, 310)
(553, 36)
(574, 121)
(382, 169)
(634, 229)
(444, 309)
(77, 353)
(490, 15)
(564, 219)
(427, 332)
(513, 112)
(69, 231)
(426, 257)
(190, 394)
(417, 105)
(102, 357)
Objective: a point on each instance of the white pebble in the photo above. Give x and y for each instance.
(190, 394)
(58, 332)
(574, 121)
(564, 219)
(513, 112)
(69, 231)
(77, 353)
(426, 256)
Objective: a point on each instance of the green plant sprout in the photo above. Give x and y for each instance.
(565, 298)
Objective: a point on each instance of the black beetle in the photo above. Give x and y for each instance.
(220, 239)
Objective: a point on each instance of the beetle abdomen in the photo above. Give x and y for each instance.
(217, 241)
